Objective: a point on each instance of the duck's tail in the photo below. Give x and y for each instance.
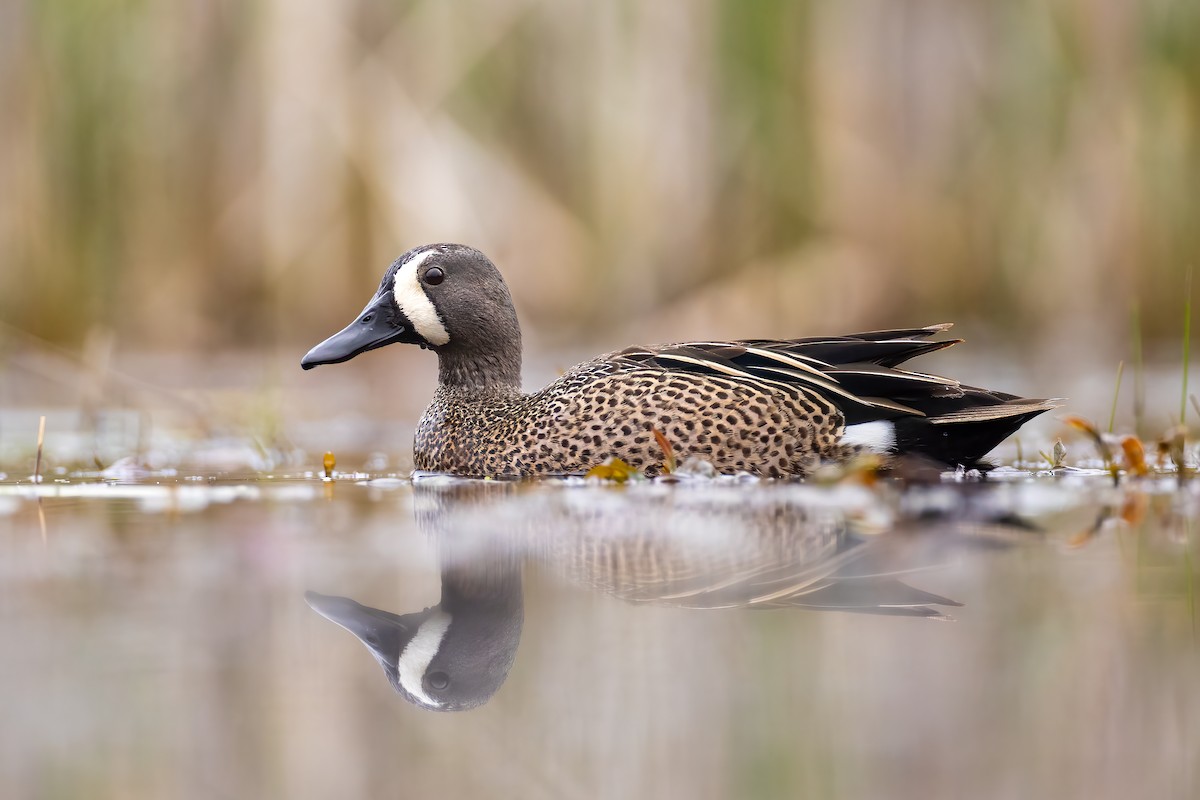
(962, 430)
(923, 414)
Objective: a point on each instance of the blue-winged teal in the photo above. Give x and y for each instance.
(770, 407)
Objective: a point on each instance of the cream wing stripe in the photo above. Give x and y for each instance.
(416, 305)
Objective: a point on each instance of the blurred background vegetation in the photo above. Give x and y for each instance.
(194, 177)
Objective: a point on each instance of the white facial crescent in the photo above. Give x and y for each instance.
(416, 305)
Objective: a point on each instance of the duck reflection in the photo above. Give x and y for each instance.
(450, 657)
(719, 546)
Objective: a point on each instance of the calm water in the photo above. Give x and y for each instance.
(1028, 637)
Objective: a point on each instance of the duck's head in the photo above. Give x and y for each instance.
(446, 297)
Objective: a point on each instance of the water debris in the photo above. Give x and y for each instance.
(1058, 455)
(1173, 446)
(329, 462)
(1128, 453)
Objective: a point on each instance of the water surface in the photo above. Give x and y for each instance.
(1030, 636)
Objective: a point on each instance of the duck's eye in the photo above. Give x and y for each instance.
(434, 276)
(439, 680)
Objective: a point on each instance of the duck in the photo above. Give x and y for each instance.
(771, 408)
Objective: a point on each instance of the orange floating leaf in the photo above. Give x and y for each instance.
(1135, 455)
(329, 462)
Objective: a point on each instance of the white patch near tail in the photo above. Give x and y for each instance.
(878, 436)
(415, 304)
(419, 651)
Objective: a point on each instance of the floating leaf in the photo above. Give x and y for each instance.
(1135, 455)
(613, 469)
(329, 462)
